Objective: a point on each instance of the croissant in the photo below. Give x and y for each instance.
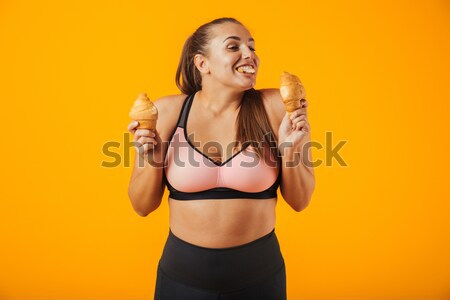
(291, 90)
(145, 112)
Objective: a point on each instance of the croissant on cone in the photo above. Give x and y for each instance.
(145, 112)
(291, 90)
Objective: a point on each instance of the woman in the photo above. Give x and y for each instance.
(221, 242)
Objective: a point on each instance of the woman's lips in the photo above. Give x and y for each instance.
(249, 69)
(246, 74)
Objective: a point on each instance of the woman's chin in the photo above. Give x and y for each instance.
(248, 82)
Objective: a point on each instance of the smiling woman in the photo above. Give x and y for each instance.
(221, 242)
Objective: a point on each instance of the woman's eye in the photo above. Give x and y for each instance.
(235, 47)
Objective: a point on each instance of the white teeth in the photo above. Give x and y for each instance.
(246, 69)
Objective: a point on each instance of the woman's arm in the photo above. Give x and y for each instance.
(146, 186)
(298, 180)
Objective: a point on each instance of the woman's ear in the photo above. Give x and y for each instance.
(201, 63)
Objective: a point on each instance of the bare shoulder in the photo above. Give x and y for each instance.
(273, 102)
(169, 108)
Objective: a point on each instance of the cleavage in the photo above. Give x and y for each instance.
(213, 148)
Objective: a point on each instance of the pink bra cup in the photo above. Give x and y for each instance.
(241, 172)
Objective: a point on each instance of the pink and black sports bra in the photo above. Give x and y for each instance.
(191, 175)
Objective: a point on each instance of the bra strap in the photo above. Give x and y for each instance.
(185, 110)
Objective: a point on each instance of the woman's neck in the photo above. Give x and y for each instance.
(219, 101)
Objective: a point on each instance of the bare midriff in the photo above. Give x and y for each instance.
(221, 223)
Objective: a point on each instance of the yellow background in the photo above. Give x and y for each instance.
(376, 75)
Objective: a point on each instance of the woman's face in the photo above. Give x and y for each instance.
(231, 46)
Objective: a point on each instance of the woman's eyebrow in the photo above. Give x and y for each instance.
(237, 38)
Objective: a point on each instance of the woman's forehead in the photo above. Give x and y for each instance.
(230, 31)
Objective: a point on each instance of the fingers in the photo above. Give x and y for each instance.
(299, 120)
(298, 125)
(301, 125)
(146, 139)
(145, 149)
(306, 128)
(145, 136)
(298, 112)
(145, 142)
(145, 132)
(304, 103)
(132, 126)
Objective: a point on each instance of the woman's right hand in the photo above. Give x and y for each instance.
(146, 141)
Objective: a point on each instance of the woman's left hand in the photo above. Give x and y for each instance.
(295, 131)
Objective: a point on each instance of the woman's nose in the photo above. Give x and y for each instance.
(248, 53)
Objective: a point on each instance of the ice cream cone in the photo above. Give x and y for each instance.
(145, 112)
(291, 91)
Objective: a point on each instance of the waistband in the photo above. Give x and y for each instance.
(221, 269)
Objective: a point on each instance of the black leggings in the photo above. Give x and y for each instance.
(254, 270)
